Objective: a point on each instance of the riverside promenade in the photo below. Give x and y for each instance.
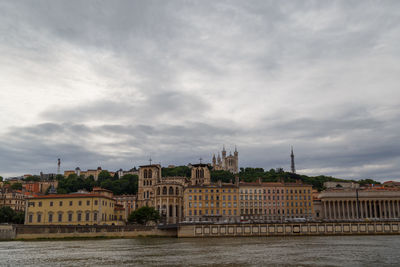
(18, 232)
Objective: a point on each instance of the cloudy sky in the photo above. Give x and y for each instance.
(111, 83)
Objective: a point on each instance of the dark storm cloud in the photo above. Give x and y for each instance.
(113, 83)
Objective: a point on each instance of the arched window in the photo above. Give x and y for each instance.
(150, 174)
(171, 190)
(145, 174)
(202, 173)
(164, 190)
(158, 191)
(170, 210)
(177, 190)
(144, 194)
(147, 194)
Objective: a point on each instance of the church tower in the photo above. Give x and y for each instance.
(149, 175)
(200, 174)
(223, 157)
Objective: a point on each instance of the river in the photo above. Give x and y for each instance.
(289, 251)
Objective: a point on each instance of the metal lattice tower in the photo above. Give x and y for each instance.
(292, 166)
(58, 166)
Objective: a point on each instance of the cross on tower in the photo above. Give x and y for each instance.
(200, 160)
(150, 160)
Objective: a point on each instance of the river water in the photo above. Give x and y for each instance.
(288, 251)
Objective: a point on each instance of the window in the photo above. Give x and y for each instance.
(80, 203)
(39, 218)
(70, 203)
(50, 217)
(30, 218)
(60, 203)
(60, 217)
(87, 202)
(70, 217)
(51, 203)
(95, 216)
(96, 202)
(79, 217)
(40, 203)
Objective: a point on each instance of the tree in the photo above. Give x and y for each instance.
(33, 178)
(6, 214)
(103, 175)
(224, 176)
(19, 217)
(176, 171)
(144, 215)
(16, 186)
(1, 178)
(59, 177)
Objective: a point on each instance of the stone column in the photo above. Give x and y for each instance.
(325, 213)
(370, 208)
(381, 209)
(352, 210)
(366, 208)
(398, 209)
(384, 209)
(167, 217)
(334, 209)
(394, 208)
(348, 210)
(329, 210)
(174, 211)
(344, 209)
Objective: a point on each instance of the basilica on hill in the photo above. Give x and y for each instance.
(226, 163)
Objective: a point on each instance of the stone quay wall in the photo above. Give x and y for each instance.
(7, 232)
(68, 231)
(289, 229)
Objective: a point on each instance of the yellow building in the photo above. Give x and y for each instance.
(272, 202)
(210, 202)
(94, 208)
(299, 201)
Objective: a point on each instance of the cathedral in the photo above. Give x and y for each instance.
(226, 163)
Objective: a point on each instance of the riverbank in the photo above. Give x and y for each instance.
(64, 232)
(43, 232)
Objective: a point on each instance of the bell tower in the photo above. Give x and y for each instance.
(200, 175)
(149, 175)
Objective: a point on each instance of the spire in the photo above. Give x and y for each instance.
(223, 148)
(292, 161)
(235, 148)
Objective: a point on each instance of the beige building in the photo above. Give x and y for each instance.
(210, 202)
(94, 208)
(94, 172)
(268, 202)
(128, 202)
(15, 199)
(358, 204)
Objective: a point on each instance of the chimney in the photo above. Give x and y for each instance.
(219, 183)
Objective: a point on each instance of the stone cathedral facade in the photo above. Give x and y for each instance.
(226, 163)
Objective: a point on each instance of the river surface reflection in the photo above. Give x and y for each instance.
(289, 251)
